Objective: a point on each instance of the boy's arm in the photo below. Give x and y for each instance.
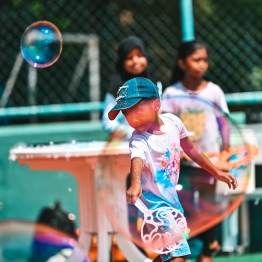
(135, 190)
(198, 156)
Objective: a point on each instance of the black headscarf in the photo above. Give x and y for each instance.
(121, 76)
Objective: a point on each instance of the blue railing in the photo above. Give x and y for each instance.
(56, 109)
(246, 98)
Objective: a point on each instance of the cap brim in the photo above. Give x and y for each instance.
(122, 104)
(112, 114)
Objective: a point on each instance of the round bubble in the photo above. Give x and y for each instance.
(41, 44)
(205, 201)
(24, 241)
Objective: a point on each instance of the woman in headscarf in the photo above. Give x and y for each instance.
(132, 62)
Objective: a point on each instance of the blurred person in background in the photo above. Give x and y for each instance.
(188, 81)
(132, 62)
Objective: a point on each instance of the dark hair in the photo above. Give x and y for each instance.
(121, 76)
(185, 50)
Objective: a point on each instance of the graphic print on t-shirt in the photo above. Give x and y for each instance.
(170, 164)
(194, 121)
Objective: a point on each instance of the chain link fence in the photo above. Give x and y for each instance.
(230, 28)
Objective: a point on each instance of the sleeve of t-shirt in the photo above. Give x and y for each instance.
(166, 101)
(221, 101)
(178, 124)
(137, 147)
(182, 129)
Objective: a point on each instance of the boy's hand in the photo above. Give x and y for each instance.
(227, 178)
(134, 192)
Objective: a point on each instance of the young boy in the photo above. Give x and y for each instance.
(155, 152)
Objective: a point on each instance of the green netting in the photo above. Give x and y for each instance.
(230, 28)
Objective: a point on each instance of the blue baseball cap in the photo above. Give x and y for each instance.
(132, 92)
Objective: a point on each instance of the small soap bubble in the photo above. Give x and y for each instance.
(41, 44)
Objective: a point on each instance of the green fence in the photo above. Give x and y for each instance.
(231, 28)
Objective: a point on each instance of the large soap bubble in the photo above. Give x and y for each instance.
(26, 241)
(41, 44)
(206, 201)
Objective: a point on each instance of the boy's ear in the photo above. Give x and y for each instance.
(181, 64)
(157, 104)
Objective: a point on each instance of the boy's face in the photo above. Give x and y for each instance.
(142, 115)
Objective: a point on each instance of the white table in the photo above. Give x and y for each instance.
(80, 159)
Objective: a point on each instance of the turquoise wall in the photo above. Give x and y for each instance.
(23, 192)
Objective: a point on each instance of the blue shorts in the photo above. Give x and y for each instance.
(182, 251)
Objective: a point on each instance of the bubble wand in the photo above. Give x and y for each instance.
(163, 229)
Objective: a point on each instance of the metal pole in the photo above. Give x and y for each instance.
(187, 20)
(94, 75)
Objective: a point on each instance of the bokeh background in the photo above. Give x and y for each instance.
(232, 29)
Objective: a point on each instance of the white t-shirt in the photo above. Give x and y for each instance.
(199, 112)
(161, 162)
